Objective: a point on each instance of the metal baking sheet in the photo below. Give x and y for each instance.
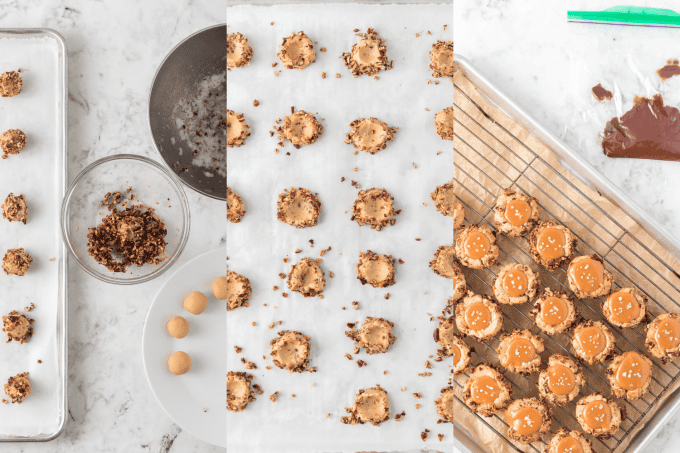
(39, 173)
(587, 174)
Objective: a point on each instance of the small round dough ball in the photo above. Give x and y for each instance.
(178, 327)
(219, 288)
(179, 363)
(196, 303)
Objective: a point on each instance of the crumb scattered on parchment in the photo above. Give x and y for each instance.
(274, 396)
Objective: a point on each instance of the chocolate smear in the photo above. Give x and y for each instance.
(650, 130)
(670, 70)
(601, 93)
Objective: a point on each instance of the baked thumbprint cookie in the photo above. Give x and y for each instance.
(478, 317)
(461, 355)
(561, 382)
(459, 284)
(593, 342)
(515, 213)
(476, 247)
(554, 312)
(519, 352)
(630, 374)
(552, 245)
(487, 391)
(515, 284)
(528, 419)
(626, 307)
(588, 278)
(663, 337)
(569, 442)
(599, 416)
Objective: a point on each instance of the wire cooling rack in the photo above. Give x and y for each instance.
(485, 165)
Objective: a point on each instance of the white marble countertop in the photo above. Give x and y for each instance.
(114, 48)
(525, 51)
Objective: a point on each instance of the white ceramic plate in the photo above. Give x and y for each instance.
(184, 397)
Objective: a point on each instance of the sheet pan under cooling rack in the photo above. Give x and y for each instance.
(606, 223)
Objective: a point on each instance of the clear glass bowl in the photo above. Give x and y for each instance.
(153, 186)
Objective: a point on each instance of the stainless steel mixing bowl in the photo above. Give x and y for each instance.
(200, 55)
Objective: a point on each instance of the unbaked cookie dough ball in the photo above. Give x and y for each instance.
(371, 406)
(368, 56)
(237, 129)
(179, 363)
(444, 122)
(18, 387)
(235, 207)
(196, 303)
(16, 262)
(370, 134)
(374, 207)
(239, 53)
(10, 84)
(178, 327)
(441, 56)
(290, 351)
(17, 327)
(219, 288)
(299, 128)
(238, 290)
(15, 208)
(306, 278)
(297, 51)
(375, 269)
(239, 393)
(298, 207)
(12, 141)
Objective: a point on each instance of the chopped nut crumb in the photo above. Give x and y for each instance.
(417, 395)
(387, 295)
(323, 49)
(337, 76)
(238, 349)
(441, 437)
(256, 103)
(274, 396)
(424, 434)
(254, 323)
(361, 363)
(417, 406)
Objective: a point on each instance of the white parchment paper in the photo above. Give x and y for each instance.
(35, 173)
(256, 246)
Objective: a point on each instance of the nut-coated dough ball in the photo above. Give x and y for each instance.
(196, 303)
(219, 288)
(178, 327)
(179, 363)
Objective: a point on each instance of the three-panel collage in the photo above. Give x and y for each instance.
(310, 226)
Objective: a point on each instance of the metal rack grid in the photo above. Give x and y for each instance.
(621, 252)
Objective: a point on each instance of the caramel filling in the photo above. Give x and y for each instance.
(587, 274)
(561, 380)
(515, 283)
(668, 334)
(478, 316)
(554, 311)
(633, 372)
(456, 355)
(569, 445)
(624, 307)
(592, 340)
(551, 243)
(484, 390)
(477, 245)
(517, 212)
(520, 352)
(597, 415)
(526, 421)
